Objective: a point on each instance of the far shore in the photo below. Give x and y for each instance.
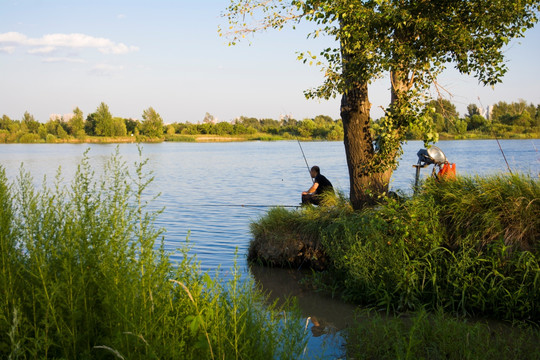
(206, 138)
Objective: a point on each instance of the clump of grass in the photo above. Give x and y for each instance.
(437, 336)
(481, 210)
(84, 275)
(291, 238)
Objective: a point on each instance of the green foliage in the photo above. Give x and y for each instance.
(424, 336)
(84, 275)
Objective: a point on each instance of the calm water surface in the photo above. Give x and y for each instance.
(203, 186)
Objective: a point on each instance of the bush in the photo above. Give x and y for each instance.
(81, 278)
(29, 138)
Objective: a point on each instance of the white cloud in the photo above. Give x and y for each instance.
(7, 49)
(105, 70)
(121, 16)
(12, 38)
(51, 42)
(42, 50)
(63, 59)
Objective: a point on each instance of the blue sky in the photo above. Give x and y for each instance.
(132, 55)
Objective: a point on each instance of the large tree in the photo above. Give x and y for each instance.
(103, 121)
(411, 41)
(76, 123)
(152, 124)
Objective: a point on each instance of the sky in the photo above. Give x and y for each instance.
(56, 55)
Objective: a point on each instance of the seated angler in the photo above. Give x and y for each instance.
(320, 185)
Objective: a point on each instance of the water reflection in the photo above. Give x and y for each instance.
(326, 317)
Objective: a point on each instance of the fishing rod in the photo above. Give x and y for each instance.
(304, 155)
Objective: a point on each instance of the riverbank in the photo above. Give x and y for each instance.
(145, 139)
(205, 138)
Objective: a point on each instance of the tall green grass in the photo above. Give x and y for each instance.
(437, 336)
(81, 278)
(469, 246)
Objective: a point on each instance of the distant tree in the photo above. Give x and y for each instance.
(209, 119)
(152, 124)
(31, 124)
(476, 121)
(524, 119)
(224, 128)
(90, 124)
(445, 116)
(249, 122)
(119, 127)
(323, 120)
(42, 132)
(51, 126)
(472, 109)
(171, 130)
(5, 122)
(61, 132)
(76, 123)
(306, 128)
(131, 125)
(103, 121)
(460, 126)
(516, 113)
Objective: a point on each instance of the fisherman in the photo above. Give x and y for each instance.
(320, 185)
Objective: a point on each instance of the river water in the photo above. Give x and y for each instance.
(212, 191)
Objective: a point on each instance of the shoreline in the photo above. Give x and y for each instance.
(205, 138)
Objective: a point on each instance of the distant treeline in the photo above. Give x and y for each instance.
(504, 120)
(517, 119)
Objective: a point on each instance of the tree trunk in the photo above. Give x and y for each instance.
(366, 184)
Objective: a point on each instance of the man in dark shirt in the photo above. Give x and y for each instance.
(320, 184)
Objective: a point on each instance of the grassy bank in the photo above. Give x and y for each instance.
(81, 278)
(469, 246)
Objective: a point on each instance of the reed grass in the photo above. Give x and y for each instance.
(84, 275)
